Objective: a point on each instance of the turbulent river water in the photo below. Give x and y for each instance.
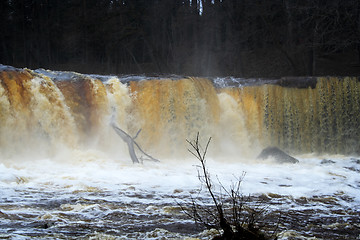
(102, 198)
(66, 174)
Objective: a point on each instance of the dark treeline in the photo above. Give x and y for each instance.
(190, 37)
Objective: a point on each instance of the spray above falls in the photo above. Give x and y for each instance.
(43, 112)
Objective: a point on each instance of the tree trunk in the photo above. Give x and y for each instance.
(130, 141)
(313, 51)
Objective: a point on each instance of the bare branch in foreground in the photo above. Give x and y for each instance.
(230, 211)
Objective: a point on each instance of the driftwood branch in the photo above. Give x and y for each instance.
(137, 134)
(130, 141)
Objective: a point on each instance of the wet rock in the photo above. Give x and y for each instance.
(302, 200)
(279, 155)
(353, 169)
(274, 195)
(355, 160)
(327, 161)
(298, 82)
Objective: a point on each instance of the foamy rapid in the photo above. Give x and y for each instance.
(86, 194)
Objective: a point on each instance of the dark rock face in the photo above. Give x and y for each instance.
(298, 82)
(279, 155)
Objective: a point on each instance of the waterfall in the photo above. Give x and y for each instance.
(323, 119)
(42, 111)
(172, 111)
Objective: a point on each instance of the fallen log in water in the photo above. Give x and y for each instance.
(130, 141)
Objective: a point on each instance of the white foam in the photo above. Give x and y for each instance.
(306, 179)
(92, 175)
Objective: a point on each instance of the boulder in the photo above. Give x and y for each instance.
(327, 161)
(276, 153)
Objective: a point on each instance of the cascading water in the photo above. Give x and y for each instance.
(64, 172)
(323, 118)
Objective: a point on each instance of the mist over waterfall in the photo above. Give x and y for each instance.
(65, 173)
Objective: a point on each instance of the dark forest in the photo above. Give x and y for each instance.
(246, 38)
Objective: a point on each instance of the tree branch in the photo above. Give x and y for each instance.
(130, 141)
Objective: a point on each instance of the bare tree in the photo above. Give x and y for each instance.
(230, 211)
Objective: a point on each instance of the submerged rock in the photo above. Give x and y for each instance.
(355, 160)
(327, 161)
(279, 155)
